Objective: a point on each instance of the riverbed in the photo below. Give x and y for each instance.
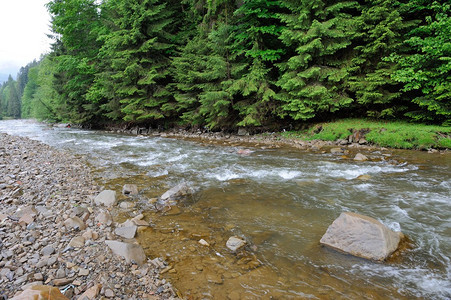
(281, 201)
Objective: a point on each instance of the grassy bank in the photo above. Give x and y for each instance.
(401, 135)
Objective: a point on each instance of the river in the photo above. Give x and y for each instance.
(281, 201)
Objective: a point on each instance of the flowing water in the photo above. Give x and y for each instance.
(281, 201)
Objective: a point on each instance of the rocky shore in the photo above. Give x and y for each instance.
(53, 233)
(356, 140)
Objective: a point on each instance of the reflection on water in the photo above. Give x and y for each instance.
(281, 201)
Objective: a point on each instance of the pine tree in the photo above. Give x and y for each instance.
(314, 77)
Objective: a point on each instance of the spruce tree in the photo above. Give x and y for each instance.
(381, 28)
(13, 109)
(425, 66)
(29, 92)
(202, 68)
(256, 48)
(138, 47)
(313, 82)
(76, 24)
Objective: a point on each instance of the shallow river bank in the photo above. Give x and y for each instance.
(280, 199)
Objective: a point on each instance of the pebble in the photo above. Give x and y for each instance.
(109, 293)
(48, 250)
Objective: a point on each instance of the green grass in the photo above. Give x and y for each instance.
(392, 134)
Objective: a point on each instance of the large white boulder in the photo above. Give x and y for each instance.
(361, 236)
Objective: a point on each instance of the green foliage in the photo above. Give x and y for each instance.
(76, 24)
(29, 92)
(13, 106)
(314, 77)
(138, 46)
(226, 63)
(256, 47)
(381, 30)
(425, 69)
(199, 71)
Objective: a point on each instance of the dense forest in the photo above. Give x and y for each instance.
(223, 64)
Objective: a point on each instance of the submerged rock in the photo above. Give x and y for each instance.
(360, 157)
(234, 243)
(361, 236)
(177, 191)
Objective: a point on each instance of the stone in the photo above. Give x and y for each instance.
(75, 223)
(130, 189)
(360, 157)
(62, 281)
(47, 250)
(83, 272)
(77, 242)
(336, 151)
(204, 242)
(127, 232)
(130, 252)
(41, 292)
(234, 243)
(88, 234)
(242, 131)
(109, 293)
(104, 217)
(361, 236)
(91, 293)
(38, 277)
(215, 278)
(61, 273)
(26, 210)
(44, 211)
(126, 205)
(106, 198)
(177, 191)
(364, 177)
(234, 295)
(26, 219)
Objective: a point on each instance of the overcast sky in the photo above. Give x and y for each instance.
(23, 28)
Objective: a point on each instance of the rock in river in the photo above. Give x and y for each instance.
(360, 157)
(177, 191)
(234, 243)
(361, 236)
(130, 189)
